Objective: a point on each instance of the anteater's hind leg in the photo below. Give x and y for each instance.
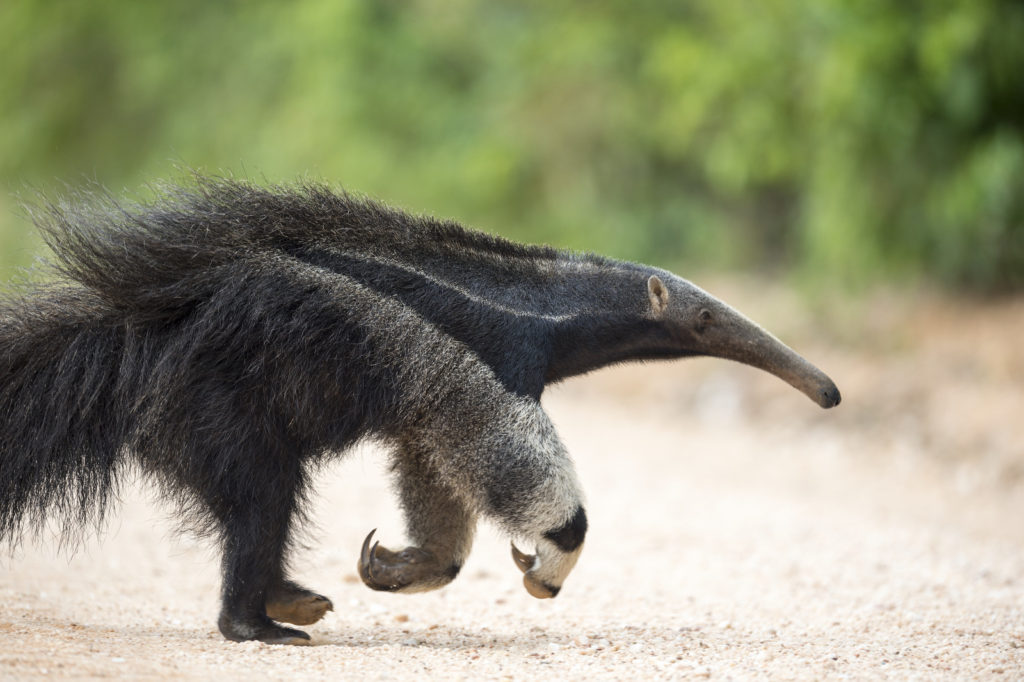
(255, 505)
(253, 550)
(438, 522)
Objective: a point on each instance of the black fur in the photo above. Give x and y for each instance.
(226, 339)
(570, 536)
(218, 340)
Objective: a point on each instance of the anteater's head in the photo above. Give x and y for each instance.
(697, 323)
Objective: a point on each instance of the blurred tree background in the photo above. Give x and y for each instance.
(848, 140)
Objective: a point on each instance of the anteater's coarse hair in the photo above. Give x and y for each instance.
(225, 339)
(176, 337)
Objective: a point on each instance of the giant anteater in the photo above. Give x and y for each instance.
(225, 339)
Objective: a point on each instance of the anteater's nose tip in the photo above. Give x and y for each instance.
(830, 397)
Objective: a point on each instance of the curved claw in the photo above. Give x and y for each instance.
(412, 569)
(539, 589)
(365, 552)
(367, 557)
(534, 585)
(524, 561)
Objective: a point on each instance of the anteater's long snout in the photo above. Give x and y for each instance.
(775, 357)
(734, 337)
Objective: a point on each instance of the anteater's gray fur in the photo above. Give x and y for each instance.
(226, 339)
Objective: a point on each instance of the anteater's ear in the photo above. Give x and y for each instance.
(658, 293)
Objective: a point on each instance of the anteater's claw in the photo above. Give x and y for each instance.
(367, 559)
(524, 561)
(296, 605)
(410, 570)
(364, 555)
(535, 586)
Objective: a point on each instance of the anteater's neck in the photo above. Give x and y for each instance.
(534, 315)
(610, 324)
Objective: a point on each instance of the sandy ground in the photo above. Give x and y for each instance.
(737, 531)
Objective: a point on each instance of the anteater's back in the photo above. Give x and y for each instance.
(188, 334)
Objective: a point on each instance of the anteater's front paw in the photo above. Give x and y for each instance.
(536, 586)
(410, 570)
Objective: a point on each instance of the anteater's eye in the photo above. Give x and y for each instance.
(703, 319)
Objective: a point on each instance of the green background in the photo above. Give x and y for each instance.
(846, 143)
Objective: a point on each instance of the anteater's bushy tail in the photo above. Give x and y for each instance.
(86, 361)
(78, 356)
(61, 422)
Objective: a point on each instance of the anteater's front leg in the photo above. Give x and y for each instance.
(439, 524)
(528, 484)
(502, 460)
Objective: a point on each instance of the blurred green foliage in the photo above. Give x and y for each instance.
(850, 140)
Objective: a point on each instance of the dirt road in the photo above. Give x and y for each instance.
(737, 531)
